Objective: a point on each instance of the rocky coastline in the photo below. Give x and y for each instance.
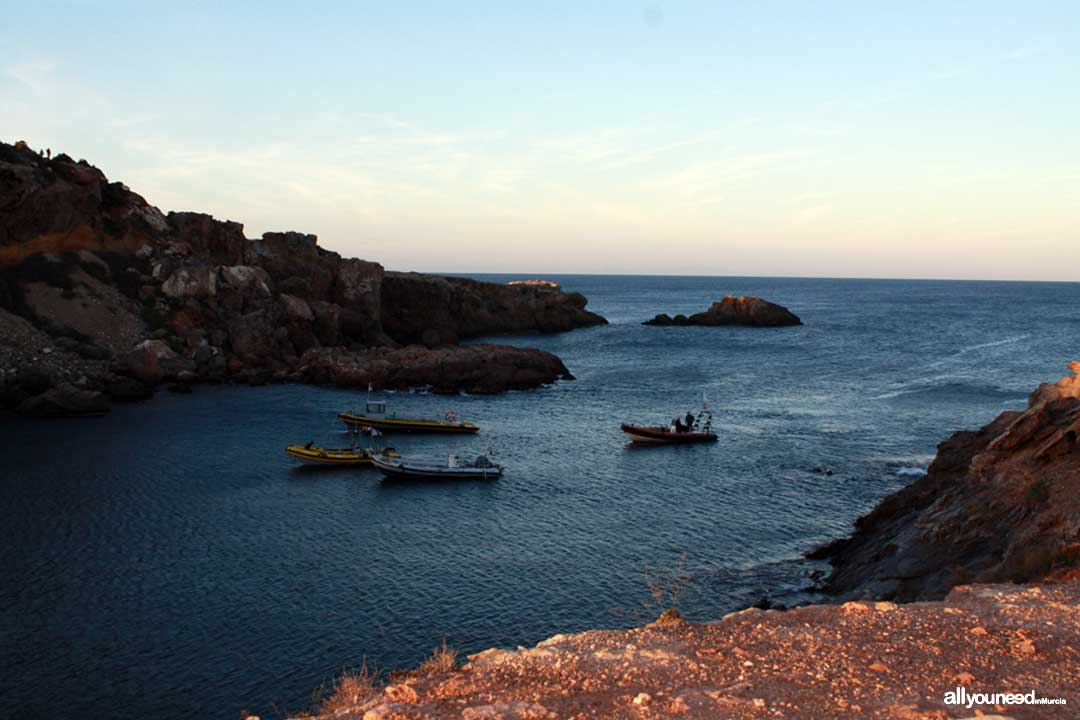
(104, 298)
(997, 504)
(969, 577)
(745, 311)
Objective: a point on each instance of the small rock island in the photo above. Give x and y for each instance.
(749, 311)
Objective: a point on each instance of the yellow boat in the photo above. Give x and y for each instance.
(339, 456)
(375, 417)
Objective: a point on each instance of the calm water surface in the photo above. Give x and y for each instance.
(169, 560)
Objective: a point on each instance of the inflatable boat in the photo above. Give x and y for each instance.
(480, 469)
(336, 456)
(664, 435)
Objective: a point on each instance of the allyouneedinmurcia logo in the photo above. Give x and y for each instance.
(961, 696)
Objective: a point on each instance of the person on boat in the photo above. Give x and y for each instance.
(679, 427)
(309, 444)
(689, 421)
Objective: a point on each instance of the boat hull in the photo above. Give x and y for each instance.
(325, 456)
(663, 436)
(407, 424)
(399, 469)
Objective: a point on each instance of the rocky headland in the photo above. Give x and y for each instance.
(987, 542)
(747, 311)
(103, 297)
(997, 504)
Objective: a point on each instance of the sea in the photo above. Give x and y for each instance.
(170, 561)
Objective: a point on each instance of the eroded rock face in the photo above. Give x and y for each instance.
(750, 311)
(59, 205)
(999, 503)
(121, 298)
(433, 310)
(220, 243)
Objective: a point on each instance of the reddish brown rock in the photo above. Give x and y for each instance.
(882, 662)
(220, 243)
(58, 205)
(98, 273)
(999, 503)
(751, 311)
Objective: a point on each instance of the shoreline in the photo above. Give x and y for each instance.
(877, 658)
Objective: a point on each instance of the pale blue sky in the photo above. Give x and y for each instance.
(914, 139)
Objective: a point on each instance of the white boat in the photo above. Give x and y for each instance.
(480, 469)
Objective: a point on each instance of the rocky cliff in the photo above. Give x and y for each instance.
(102, 296)
(435, 310)
(999, 503)
(748, 311)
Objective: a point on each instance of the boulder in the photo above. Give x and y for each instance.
(221, 243)
(296, 309)
(191, 282)
(151, 361)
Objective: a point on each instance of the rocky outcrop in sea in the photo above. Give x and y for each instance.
(749, 311)
(103, 297)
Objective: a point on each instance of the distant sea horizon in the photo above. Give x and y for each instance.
(542, 276)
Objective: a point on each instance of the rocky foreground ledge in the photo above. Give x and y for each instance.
(103, 297)
(857, 660)
(746, 311)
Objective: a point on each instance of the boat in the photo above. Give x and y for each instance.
(337, 456)
(375, 416)
(701, 431)
(664, 435)
(480, 469)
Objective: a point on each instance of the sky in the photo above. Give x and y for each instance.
(837, 139)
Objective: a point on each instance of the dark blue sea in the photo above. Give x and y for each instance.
(169, 560)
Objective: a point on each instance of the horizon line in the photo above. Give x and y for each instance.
(540, 276)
